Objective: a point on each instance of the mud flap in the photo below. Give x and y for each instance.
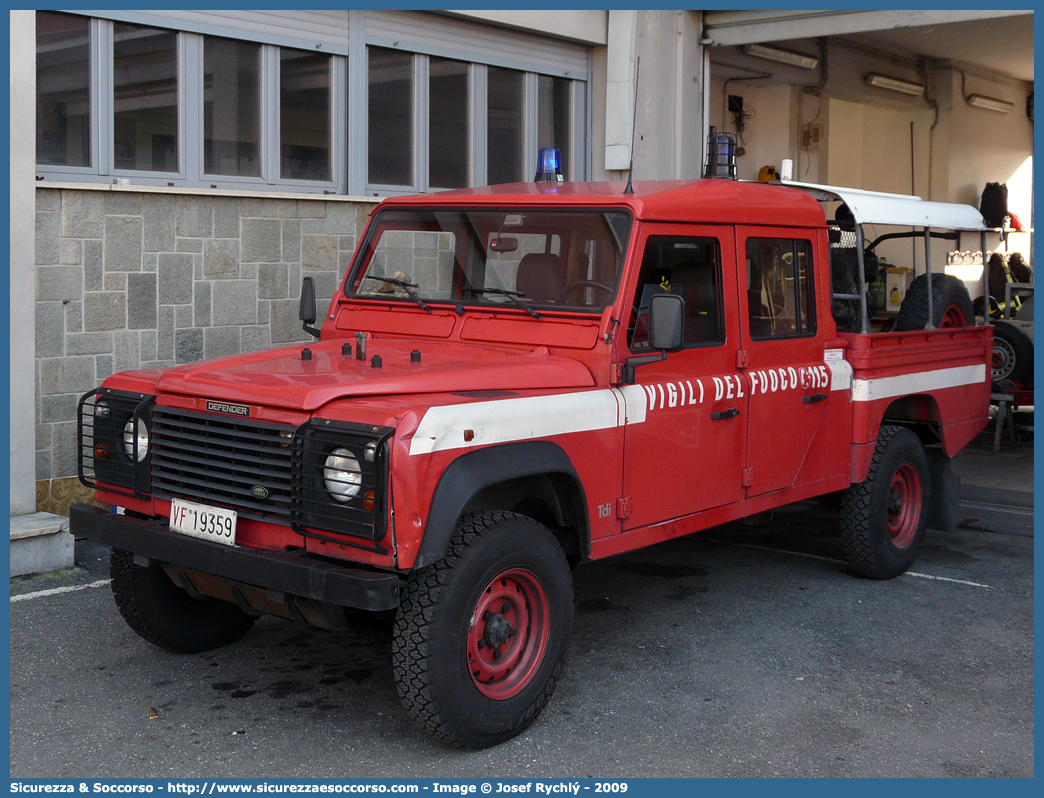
(945, 492)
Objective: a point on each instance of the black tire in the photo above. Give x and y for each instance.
(979, 307)
(951, 304)
(165, 615)
(1012, 357)
(883, 517)
(440, 654)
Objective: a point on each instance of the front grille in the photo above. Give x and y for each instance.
(224, 461)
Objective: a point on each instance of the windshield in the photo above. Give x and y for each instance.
(530, 259)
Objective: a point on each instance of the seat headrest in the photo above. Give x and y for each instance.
(539, 276)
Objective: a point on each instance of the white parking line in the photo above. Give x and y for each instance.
(105, 582)
(56, 590)
(948, 579)
(999, 508)
(840, 562)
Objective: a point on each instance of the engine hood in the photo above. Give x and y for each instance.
(282, 378)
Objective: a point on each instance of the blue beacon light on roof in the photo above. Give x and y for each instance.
(549, 165)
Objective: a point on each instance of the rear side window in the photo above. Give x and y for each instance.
(690, 268)
(779, 288)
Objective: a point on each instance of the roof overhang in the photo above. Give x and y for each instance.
(904, 210)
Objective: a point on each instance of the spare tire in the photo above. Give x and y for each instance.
(1012, 357)
(951, 304)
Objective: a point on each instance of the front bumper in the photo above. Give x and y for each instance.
(288, 572)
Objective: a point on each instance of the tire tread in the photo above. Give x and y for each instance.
(947, 290)
(415, 625)
(226, 624)
(857, 534)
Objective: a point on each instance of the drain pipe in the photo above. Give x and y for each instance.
(811, 88)
(705, 43)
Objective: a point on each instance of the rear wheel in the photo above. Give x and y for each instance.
(165, 615)
(883, 517)
(481, 636)
(951, 304)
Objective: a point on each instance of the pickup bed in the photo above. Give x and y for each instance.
(510, 381)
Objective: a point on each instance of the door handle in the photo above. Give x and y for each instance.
(732, 412)
(816, 397)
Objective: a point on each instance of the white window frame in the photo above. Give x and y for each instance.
(348, 108)
(469, 126)
(190, 70)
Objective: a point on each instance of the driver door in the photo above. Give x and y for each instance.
(685, 437)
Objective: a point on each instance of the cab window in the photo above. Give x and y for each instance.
(690, 268)
(779, 288)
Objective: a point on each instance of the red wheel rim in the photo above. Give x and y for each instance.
(508, 635)
(904, 505)
(954, 317)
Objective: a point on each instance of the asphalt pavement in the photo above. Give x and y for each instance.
(749, 650)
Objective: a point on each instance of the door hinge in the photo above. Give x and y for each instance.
(747, 477)
(742, 359)
(623, 507)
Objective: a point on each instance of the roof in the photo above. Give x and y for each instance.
(711, 201)
(874, 207)
(717, 201)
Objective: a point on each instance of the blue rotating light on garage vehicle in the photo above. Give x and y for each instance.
(549, 165)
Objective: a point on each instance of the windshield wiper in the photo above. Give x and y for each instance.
(511, 295)
(405, 286)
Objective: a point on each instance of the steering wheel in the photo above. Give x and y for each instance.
(579, 285)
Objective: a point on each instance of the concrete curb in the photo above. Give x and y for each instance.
(40, 543)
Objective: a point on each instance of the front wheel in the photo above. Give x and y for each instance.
(884, 516)
(481, 636)
(167, 616)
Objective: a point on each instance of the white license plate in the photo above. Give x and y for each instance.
(203, 521)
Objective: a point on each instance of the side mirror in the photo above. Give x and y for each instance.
(666, 322)
(306, 311)
(666, 326)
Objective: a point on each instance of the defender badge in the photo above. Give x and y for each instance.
(226, 407)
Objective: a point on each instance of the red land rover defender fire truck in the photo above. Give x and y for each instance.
(518, 378)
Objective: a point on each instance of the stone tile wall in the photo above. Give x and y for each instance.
(129, 279)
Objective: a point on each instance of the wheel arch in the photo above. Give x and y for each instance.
(917, 412)
(536, 478)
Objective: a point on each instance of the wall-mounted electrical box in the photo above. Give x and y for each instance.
(811, 137)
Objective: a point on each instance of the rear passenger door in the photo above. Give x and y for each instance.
(790, 391)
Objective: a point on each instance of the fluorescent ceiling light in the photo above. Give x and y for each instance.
(981, 101)
(894, 84)
(782, 56)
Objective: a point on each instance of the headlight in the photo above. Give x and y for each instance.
(342, 475)
(143, 439)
